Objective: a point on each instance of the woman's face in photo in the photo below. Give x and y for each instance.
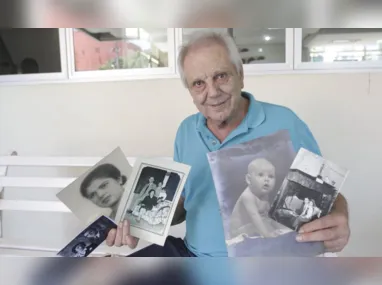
(104, 192)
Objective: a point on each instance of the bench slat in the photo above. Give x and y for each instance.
(34, 206)
(36, 182)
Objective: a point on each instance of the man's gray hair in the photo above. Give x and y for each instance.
(202, 36)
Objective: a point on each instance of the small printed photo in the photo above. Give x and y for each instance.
(99, 190)
(308, 191)
(153, 197)
(89, 239)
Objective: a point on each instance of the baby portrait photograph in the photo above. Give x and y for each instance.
(247, 178)
(99, 190)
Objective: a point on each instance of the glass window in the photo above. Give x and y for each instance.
(256, 46)
(29, 51)
(120, 48)
(341, 45)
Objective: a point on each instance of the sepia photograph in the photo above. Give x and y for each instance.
(154, 193)
(247, 178)
(89, 239)
(309, 190)
(99, 190)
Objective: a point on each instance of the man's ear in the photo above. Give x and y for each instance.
(247, 179)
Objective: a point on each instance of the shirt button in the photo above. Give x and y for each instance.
(213, 142)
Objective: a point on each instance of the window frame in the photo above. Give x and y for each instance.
(121, 74)
(43, 77)
(299, 65)
(287, 66)
(293, 64)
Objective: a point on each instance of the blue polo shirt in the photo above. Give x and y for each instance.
(204, 225)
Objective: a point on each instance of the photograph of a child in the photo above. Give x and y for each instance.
(100, 189)
(152, 197)
(250, 213)
(308, 191)
(247, 178)
(89, 239)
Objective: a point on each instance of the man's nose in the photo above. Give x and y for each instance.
(213, 89)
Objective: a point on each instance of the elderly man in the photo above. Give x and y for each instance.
(211, 69)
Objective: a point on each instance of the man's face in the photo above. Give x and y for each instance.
(213, 81)
(151, 179)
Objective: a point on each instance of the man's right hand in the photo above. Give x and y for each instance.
(121, 236)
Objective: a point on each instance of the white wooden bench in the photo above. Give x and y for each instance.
(8, 182)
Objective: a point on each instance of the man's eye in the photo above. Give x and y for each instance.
(198, 83)
(221, 76)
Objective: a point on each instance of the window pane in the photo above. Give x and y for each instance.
(27, 51)
(120, 48)
(341, 45)
(256, 46)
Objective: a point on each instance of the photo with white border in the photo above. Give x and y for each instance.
(308, 191)
(154, 191)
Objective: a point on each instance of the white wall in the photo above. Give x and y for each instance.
(342, 110)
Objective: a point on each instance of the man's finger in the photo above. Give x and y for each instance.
(320, 235)
(319, 224)
(335, 245)
(118, 238)
(125, 232)
(131, 241)
(111, 237)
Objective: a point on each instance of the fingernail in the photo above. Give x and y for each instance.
(301, 231)
(125, 223)
(120, 225)
(299, 238)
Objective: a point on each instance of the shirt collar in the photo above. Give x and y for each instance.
(255, 115)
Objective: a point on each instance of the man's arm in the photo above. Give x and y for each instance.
(180, 213)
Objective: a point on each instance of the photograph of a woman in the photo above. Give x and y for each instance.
(104, 187)
(99, 190)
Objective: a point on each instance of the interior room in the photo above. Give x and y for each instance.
(82, 92)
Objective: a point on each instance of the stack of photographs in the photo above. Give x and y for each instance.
(112, 191)
(253, 183)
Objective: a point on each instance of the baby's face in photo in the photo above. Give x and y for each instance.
(261, 177)
(105, 192)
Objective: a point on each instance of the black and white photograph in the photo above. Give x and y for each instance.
(308, 191)
(89, 239)
(153, 196)
(247, 178)
(99, 190)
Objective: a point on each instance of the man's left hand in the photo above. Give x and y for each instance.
(332, 229)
